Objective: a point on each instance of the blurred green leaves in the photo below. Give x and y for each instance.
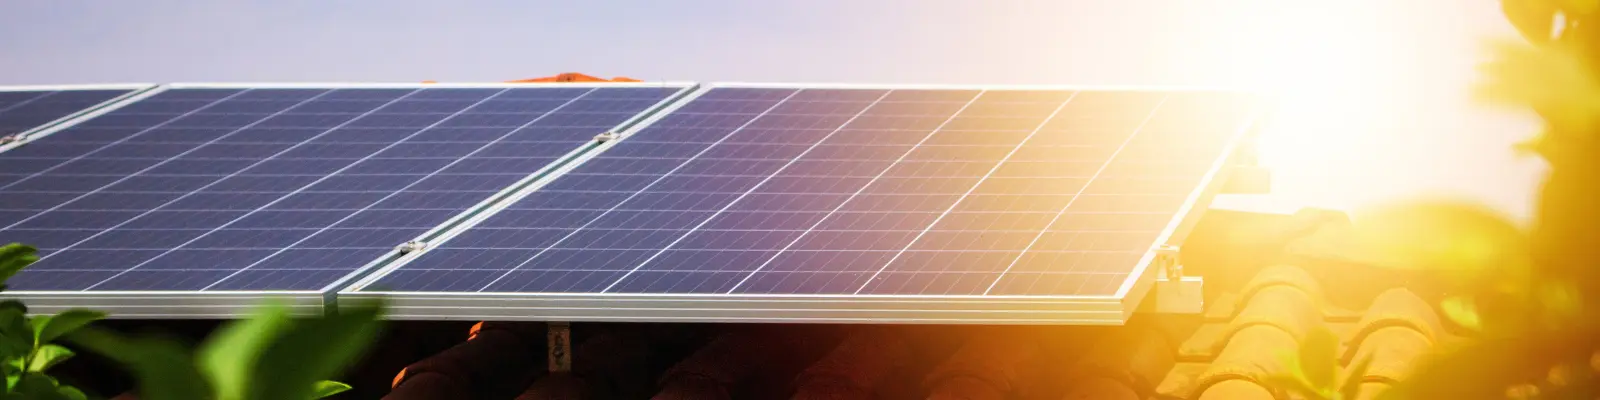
(1552, 79)
(269, 356)
(1465, 243)
(272, 355)
(27, 348)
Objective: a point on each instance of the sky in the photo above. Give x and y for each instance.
(1374, 91)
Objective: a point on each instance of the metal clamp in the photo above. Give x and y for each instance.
(8, 139)
(558, 336)
(606, 137)
(411, 246)
(1167, 260)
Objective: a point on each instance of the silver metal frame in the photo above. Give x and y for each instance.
(919, 309)
(136, 92)
(418, 85)
(92, 86)
(230, 304)
(167, 304)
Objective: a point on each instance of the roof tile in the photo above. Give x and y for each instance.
(857, 368)
(987, 366)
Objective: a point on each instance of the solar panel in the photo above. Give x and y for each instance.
(24, 108)
(203, 189)
(787, 203)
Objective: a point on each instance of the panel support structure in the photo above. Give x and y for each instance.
(559, 344)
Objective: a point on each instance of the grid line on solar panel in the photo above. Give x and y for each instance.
(405, 188)
(745, 193)
(1007, 182)
(935, 282)
(624, 201)
(23, 110)
(379, 188)
(916, 184)
(820, 221)
(87, 155)
(280, 155)
(187, 195)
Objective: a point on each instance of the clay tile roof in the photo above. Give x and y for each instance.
(1264, 292)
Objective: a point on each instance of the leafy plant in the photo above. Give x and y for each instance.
(1528, 298)
(271, 355)
(27, 344)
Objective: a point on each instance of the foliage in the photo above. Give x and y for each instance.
(27, 344)
(271, 355)
(1528, 298)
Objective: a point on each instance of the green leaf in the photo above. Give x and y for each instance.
(14, 305)
(47, 356)
(1533, 18)
(325, 389)
(1471, 370)
(71, 393)
(1319, 362)
(1293, 385)
(1352, 379)
(1580, 7)
(47, 329)
(38, 387)
(229, 355)
(14, 371)
(315, 349)
(1462, 312)
(1553, 79)
(1561, 301)
(1467, 242)
(15, 256)
(16, 338)
(163, 367)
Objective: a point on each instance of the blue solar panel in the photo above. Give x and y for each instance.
(856, 192)
(276, 188)
(22, 110)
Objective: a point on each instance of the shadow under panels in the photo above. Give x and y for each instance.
(776, 203)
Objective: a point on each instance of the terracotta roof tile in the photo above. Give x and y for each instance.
(1227, 357)
(561, 386)
(858, 368)
(1102, 389)
(498, 359)
(1396, 331)
(987, 367)
(1137, 359)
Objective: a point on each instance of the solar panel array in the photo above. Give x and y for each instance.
(738, 192)
(278, 189)
(909, 192)
(21, 110)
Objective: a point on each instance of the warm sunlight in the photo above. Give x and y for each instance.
(1368, 92)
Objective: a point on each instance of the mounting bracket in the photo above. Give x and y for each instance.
(558, 337)
(411, 247)
(1174, 293)
(606, 137)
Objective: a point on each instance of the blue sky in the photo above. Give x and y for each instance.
(1377, 114)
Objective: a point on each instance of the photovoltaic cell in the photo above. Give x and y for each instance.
(210, 189)
(21, 110)
(911, 192)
